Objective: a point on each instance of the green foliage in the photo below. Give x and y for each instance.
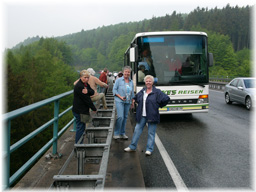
(227, 62)
(245, 61)
(35, 72)
(231, 21)
(116, 54)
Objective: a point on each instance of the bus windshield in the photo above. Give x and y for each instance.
(173, 59)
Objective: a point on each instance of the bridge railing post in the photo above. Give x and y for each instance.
(6, 159)
(74, 125)
(55, 126)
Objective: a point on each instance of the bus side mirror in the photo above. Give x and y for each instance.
(132, 54)
(210, 56)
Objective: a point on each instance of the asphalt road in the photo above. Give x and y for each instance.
(209, 150)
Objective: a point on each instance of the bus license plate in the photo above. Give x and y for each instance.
(175, 109)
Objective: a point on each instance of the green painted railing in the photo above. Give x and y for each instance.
(9, 180)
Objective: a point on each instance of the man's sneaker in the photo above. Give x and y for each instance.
(128, 149)
(124, 136)
(116, 137)
(148, 153)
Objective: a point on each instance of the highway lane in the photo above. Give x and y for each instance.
(209, 150)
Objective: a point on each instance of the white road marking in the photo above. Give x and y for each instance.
(179, 183)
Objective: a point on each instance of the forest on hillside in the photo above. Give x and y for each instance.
(228, 29)
(39, 68)
(228, 32)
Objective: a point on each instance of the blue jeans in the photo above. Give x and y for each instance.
(122, 114)
(80, 127)
(151, 134)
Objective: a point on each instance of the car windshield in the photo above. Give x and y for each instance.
(249, 83)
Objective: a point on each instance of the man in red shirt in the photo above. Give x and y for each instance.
(103, 78)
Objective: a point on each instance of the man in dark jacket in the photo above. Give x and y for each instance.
(82, 102)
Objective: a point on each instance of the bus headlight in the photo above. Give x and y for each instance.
(203, 99)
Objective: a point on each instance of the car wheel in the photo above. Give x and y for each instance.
(227, 98)
(248, 103)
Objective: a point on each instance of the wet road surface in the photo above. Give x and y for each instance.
(209, 150)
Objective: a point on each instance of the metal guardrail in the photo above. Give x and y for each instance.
(7, 180)
(221, 79)
(217, 85)
(99, 136)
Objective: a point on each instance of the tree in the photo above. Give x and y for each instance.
(36, 72)
(245, 67)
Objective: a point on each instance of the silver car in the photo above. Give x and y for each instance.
(241, 90)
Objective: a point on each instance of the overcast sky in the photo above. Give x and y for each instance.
(51, 18)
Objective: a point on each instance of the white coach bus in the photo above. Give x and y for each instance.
(179, 61)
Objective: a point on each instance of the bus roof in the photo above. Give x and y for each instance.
(169, 33)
